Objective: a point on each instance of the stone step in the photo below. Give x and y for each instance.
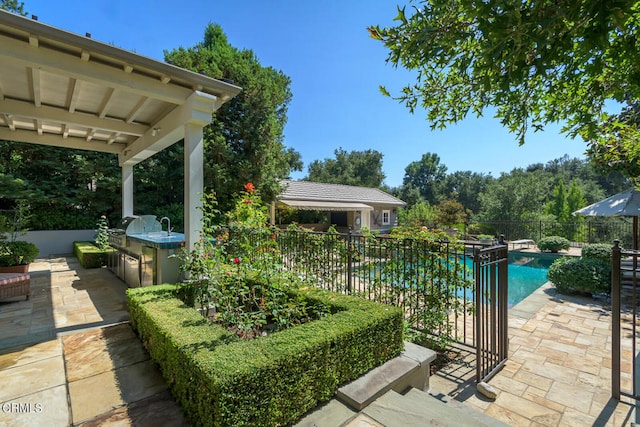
(410, 369)
(418, 408)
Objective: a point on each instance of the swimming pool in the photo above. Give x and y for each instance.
(526, 274)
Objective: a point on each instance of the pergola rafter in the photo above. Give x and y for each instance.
(66, 90)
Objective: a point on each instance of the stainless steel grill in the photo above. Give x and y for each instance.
(141, 259)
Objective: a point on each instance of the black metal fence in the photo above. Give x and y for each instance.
(432, 280)
(579, 233)
(625, 280)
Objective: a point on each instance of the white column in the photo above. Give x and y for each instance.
(127, 190)
(193, 182)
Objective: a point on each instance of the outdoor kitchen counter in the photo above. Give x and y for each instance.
(159, 240)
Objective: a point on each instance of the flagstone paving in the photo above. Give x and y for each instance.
(69, 357)
(559, 367)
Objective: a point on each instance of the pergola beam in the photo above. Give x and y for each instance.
(59, 115)
(170, 129)
(59, 141)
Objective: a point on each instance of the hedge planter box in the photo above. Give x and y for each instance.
(220, 380)
(89, 255)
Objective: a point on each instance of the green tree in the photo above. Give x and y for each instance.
(417, 215)
(450, 212)
(244, 142)
(516, 196)
(359, 168)
(427, 175)
(535, 62)
(558, 206)
(13, 6)
(65, 188)
(575, 199)
(465, 187)
(616, 147)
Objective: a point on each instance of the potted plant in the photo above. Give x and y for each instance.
(15, 255)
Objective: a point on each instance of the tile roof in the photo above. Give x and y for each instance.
(318, 191)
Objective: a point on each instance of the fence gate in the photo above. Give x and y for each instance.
(491, 304)
(625, 278)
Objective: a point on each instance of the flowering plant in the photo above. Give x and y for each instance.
(235, 276)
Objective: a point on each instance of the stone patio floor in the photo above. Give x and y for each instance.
(69, 357)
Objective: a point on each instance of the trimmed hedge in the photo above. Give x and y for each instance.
(553, 243)
(220, 380)
(89, 255)
(601, 251)
(580, 275)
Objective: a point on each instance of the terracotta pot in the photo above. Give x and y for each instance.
(23, 268)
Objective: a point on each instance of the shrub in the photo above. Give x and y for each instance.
(102, 233)
(580, 275)
(220, 380)
(553, 243)
(601, 251)
(18, 252)
(89, 255)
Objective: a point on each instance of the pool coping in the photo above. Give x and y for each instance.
(529, 306)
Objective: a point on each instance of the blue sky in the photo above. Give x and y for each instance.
(335, 70)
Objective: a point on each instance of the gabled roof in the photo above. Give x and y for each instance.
(321, 192)
(66, 90)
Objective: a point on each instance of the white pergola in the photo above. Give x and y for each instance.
(65, 90)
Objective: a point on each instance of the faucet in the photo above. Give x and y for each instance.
(168, 224)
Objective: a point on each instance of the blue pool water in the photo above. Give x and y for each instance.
(526, 274)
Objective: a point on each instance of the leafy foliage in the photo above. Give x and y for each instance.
(64, 188)
(601, 251)
(244, 142)
(13, 6)
(426, 176)
(451, 212)
(219, 380)
(359, 168)
(535, 62)
(519, 195)
(553, 243)
(417, 215)
(235, 277)
(17, 252)
(102, 236)
(580, 275)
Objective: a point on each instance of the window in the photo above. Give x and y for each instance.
(386, 217)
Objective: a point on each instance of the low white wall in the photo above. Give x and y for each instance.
(57, 242)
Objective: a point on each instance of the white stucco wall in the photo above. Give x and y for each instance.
(57, 242)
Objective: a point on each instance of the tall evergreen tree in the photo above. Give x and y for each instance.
(244, 142)
(558, 205)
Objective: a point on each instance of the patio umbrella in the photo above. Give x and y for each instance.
(626, 203)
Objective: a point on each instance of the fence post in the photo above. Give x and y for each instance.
(349, 262)
(540, 231)
(615, 319)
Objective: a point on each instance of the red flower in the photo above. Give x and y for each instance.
(228, 274)
(236, 260)
(249, 187)
(247, 201)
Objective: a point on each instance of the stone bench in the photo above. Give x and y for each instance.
(410, 369)
(15, 285)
